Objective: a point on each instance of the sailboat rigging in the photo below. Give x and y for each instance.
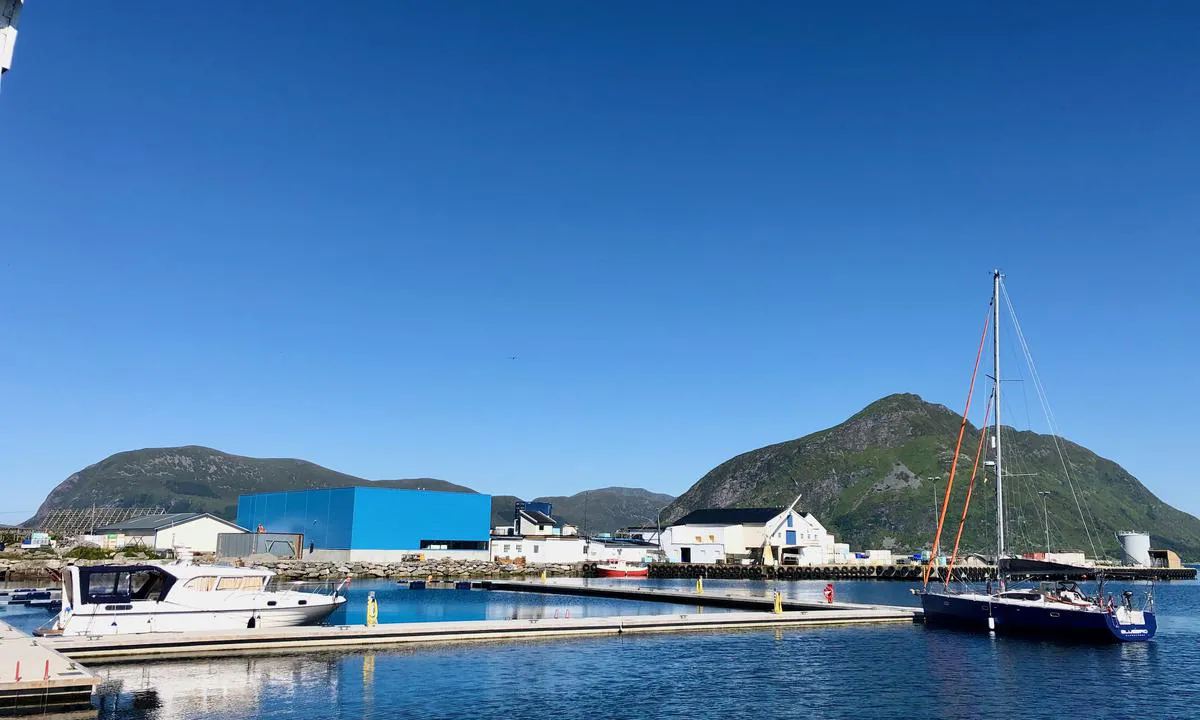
(1051, 610)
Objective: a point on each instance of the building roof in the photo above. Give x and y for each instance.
(154, 523)
(629, 542)
(729, 516)
(540, 518)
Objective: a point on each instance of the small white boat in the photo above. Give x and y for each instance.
(129, 599)
(34, 597)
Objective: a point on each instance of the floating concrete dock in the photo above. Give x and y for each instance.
(903, 573)
(624, 591)
(158, 646)
(35, 679)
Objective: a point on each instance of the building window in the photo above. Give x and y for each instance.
(518, 548)
(789, 521)
(455, 545)
(535, 549)
(506, 548)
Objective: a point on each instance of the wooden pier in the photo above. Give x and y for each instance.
(35, 679)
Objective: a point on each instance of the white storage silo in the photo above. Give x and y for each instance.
(1135, 546)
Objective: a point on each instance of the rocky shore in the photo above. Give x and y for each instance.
(306, 570)
(43, 568)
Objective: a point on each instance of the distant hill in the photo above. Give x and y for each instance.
(602, 510)
(868, 481)
(200, 479)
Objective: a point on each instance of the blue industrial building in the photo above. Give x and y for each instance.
(375, 524)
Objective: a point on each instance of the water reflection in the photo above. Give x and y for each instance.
(828, 672)
(227, 687)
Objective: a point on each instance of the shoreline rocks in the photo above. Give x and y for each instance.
(42, 568)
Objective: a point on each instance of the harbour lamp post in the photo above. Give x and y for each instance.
(935, 481)
(659, 524)
(1046, 514)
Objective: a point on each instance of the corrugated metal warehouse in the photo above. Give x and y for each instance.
(375, 524)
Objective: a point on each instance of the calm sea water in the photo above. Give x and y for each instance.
(842, 672)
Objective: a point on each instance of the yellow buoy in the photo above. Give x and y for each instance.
(543, 576)
(700, 586)
(778, 603)
(372, 610)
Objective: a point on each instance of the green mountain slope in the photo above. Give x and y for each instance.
(201, 479)
(869, 481)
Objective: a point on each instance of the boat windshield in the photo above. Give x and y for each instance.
(1020, 595)
(114, 584)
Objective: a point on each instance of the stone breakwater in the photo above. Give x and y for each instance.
(301, 570)
(20, 569)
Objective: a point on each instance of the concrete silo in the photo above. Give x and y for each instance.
(1135, 547)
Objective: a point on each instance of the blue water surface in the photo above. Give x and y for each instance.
(884, 671)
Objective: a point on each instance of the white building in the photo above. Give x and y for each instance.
(535, 519)
(549, 549)
(538, 549)
(645, 533)
(732, 534)
(195, 531)
(611, 549)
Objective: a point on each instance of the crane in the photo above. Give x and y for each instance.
(10, 10)
(768, 558)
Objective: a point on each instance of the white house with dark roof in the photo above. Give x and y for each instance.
(732, 534)
(535, 519)
(196, 531)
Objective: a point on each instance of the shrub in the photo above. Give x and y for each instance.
(84, 552)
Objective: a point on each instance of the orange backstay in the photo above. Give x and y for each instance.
(983, 433)
(957, 447)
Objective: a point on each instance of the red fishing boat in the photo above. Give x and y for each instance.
(621, 568)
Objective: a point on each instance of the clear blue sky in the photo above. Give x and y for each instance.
(320, 230)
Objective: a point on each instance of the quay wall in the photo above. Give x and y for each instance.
(46, 569)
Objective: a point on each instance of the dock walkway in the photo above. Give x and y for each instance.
(124, 648)
(37, 679)
(737, 601)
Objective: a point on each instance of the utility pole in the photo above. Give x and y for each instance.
(935, 480)
(1046, 514)
(659, 523)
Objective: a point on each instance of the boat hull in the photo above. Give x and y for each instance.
(164, 618)
(617, 572)
(981, 613)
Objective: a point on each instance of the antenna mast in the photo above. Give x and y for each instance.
(996, 404)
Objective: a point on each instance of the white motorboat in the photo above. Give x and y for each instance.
(128, 599)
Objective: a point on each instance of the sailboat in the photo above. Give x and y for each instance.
(1051, 610)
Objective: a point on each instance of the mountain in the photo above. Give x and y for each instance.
(602, 510)
(201, 479)
(868, 480)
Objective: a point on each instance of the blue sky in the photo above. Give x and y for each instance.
(320, 231)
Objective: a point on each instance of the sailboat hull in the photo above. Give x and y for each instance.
(1048, 621)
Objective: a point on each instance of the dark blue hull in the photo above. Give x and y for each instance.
(1047, 622)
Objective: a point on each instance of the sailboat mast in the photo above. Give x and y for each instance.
(996, 406)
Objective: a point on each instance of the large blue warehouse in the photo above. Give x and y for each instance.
(375, 524)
